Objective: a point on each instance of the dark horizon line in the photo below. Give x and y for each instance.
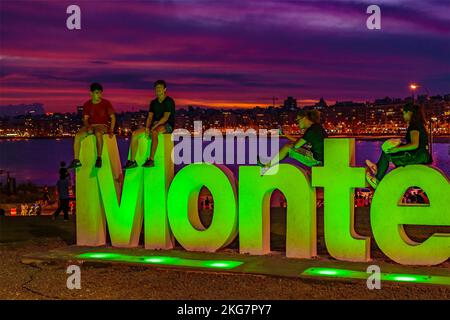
(243, 108)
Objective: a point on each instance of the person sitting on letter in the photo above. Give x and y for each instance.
(308, 149)
(160, 119)
(414, 151)
(96, 114)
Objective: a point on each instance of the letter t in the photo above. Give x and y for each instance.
(339, 180)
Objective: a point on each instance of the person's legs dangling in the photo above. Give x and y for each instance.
(382, 165)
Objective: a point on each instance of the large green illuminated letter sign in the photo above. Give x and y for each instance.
(101, 199)
(183, 207)
(168, 206)
(388, 217)
(254, 210)
(339, 179)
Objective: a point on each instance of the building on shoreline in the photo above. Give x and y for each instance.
(380, 117)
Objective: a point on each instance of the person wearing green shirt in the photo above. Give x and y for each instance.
(308, 149)
(160, 119)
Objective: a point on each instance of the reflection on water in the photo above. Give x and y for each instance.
(37, 160)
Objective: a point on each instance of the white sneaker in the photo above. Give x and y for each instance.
(372, 180)
(372, 167)
(264, 170)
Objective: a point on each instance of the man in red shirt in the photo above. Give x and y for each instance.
(96, 114)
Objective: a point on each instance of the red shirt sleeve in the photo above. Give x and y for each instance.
(86, 109)
(110, 108)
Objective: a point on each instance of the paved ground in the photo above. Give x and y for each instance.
(110, 281)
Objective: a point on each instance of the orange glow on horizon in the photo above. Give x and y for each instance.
(230, 104)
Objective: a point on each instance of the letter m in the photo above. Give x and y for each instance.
(107, 201)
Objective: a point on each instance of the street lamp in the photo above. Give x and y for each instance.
(413, 87)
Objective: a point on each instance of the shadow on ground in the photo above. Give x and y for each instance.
(18, 229)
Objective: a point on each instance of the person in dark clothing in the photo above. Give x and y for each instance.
(414, 151)
(62, 186)
(308, 149)
(63, 169)
(160, 119)
(46, 197)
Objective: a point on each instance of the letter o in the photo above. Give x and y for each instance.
(183, 207)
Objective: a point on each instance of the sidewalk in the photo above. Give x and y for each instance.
(35, 253)
(230, 261)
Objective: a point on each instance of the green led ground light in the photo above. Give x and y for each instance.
(101, 256)
(161, 260)
(351, 274)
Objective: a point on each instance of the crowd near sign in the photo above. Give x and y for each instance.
(166, 205)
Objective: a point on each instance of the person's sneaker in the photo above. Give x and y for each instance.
(259, 163)
(373, 181)
(74, 164)
(263, 170)
(98, 163)
(130, 164)
(149, 163)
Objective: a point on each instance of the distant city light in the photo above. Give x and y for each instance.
(380, 117)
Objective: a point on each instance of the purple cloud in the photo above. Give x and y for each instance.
(231, 52)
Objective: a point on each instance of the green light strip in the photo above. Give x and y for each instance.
(161, 260)
(352, 274)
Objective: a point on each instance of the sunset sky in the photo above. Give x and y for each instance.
(221, 53)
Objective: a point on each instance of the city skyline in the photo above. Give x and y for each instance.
(221, 54)
(13, 110)
(382, 116)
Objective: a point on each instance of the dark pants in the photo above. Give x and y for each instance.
(400, 159)
(64, 207)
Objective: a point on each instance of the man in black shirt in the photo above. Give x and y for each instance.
(160, 119)
(314, 137)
